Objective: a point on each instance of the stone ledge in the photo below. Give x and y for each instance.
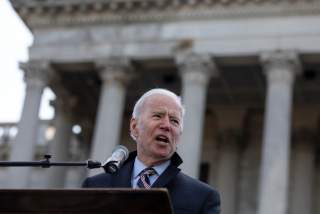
(71, 6)
(70, 12)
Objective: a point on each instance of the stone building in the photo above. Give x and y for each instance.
(247, 70)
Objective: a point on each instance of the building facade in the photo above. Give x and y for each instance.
(248, 73)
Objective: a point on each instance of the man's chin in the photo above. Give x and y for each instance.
(164, 155)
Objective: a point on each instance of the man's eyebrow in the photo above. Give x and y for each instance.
(157, 110)
(176, 117)
(163, 111)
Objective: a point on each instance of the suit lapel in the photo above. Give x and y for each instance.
(169, 174)
(123, 177)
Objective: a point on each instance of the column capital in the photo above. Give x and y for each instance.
(196, 68)
(115, 69)
(281, 66)
(36, 73)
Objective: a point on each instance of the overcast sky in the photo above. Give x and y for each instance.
(15, 39)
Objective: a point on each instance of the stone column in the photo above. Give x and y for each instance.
(303, 174)
(280, 69)
(60, 145)
(80, 149)
(36, 76)
(228, 170)
(250, 162)
(196, 71)
(84, 149)
(115, 74)
(316, 195)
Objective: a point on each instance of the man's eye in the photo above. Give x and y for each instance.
(177, 122)
(156, 116)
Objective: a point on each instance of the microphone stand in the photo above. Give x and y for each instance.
(46, 163)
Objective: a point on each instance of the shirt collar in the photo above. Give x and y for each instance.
(139, 166)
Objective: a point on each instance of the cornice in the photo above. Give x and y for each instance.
(69, 12)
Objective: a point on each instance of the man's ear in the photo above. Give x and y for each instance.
(133, 128)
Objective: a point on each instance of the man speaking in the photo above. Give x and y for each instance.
(156, 126)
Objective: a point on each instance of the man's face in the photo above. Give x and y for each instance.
(157, 129)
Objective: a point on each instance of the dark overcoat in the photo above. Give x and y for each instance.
(188, 195)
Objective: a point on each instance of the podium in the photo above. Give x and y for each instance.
(89, 201)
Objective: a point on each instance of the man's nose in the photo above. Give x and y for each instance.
(165, 123)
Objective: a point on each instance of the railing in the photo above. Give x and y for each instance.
(8, 133)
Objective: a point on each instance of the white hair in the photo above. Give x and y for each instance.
(138, 106)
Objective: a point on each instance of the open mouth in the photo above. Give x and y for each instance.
(162, 138)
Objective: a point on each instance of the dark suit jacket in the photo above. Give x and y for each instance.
(188, 195)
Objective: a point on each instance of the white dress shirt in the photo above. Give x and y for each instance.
(139, 166)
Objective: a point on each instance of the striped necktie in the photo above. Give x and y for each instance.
(144, 175)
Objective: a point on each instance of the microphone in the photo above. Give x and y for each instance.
(119, 156)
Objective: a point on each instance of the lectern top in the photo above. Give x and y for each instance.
(63, 201)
